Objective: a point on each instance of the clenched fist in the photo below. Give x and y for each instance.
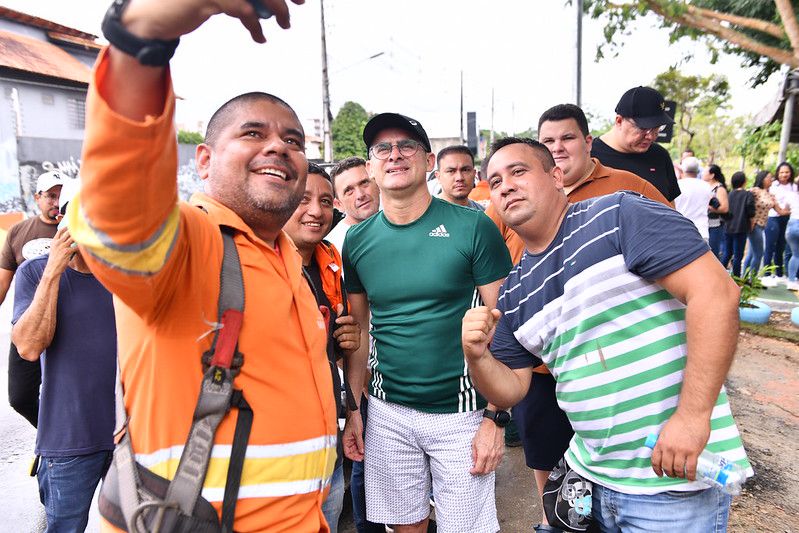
(478, 330)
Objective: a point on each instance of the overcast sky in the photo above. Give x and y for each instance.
(522, 49)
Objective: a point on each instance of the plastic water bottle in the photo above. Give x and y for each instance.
(713, 470)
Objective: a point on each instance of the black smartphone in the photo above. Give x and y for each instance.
(262, 10)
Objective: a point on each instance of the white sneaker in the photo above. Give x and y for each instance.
(793, 286)
(768, 281)
(781, 279)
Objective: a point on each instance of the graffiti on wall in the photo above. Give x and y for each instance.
(29, 171)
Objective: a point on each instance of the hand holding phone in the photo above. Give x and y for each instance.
(261, 9)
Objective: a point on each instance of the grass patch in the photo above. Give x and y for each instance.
(767, 330)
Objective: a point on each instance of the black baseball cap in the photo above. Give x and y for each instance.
(645, 106)
(384, 121)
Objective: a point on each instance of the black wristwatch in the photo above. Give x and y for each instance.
(500, 418)
(150, 52)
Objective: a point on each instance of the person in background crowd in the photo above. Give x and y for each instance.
(456, 175)
(26, 240)
(630, 144)
(64, 319)
(738, 226)
(792, 240)
(715, 178)
(480, 193)
(322, 263)
(777, 253)
(764, 201)
(356, 195)
(695, 196)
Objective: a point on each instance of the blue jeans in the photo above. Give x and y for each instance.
(66, 488)
(705, 510)
(755, 254)
(715, 240)
(792, 238)
(775, 242)
(734, 248)
(358, 488)
(334, 502)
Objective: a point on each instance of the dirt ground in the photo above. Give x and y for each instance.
(764, 391)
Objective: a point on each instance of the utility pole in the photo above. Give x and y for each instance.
(327, 116)
(578, 78)
(491, 133)
(463, 139)
(791, 88)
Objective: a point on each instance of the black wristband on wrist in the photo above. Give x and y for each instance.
(149, 52)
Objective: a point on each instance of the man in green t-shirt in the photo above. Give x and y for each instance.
(417, 266)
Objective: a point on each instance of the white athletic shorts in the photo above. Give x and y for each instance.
(405, 449)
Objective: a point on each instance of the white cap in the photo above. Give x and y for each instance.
(48, 180)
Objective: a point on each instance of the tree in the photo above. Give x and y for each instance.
(694, 95)
(190, 137)
(759, 142)
(347, 130)
(764, 33)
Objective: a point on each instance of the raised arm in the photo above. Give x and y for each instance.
(127, 219)
(34, 329)
(711, 341)
(497, 383)
(136, 91)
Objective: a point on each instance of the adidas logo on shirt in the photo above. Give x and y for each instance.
(440, 231)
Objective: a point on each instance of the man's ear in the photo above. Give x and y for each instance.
(557, 174)
(202, 160)
(337, 205)
(431, 162)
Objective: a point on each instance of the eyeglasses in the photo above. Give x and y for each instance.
(406, 147)
(49, 196)
(646, 131)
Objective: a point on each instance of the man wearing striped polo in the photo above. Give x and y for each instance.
(606, 295)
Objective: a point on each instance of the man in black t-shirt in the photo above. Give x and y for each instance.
(630, 143)
(26, 240)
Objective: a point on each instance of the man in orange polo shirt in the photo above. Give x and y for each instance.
(162, 260)
(564, 130)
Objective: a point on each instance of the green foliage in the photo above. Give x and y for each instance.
(597, 124)
(758, 143)
(347, 130)
(531, 133)
(190, 137)
(695, 95)
(620, 19)
(750, 285)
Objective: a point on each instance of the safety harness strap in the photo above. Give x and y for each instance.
(216, 397)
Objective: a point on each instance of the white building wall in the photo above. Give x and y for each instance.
(50, 112)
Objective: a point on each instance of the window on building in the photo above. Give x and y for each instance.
(76, 113)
